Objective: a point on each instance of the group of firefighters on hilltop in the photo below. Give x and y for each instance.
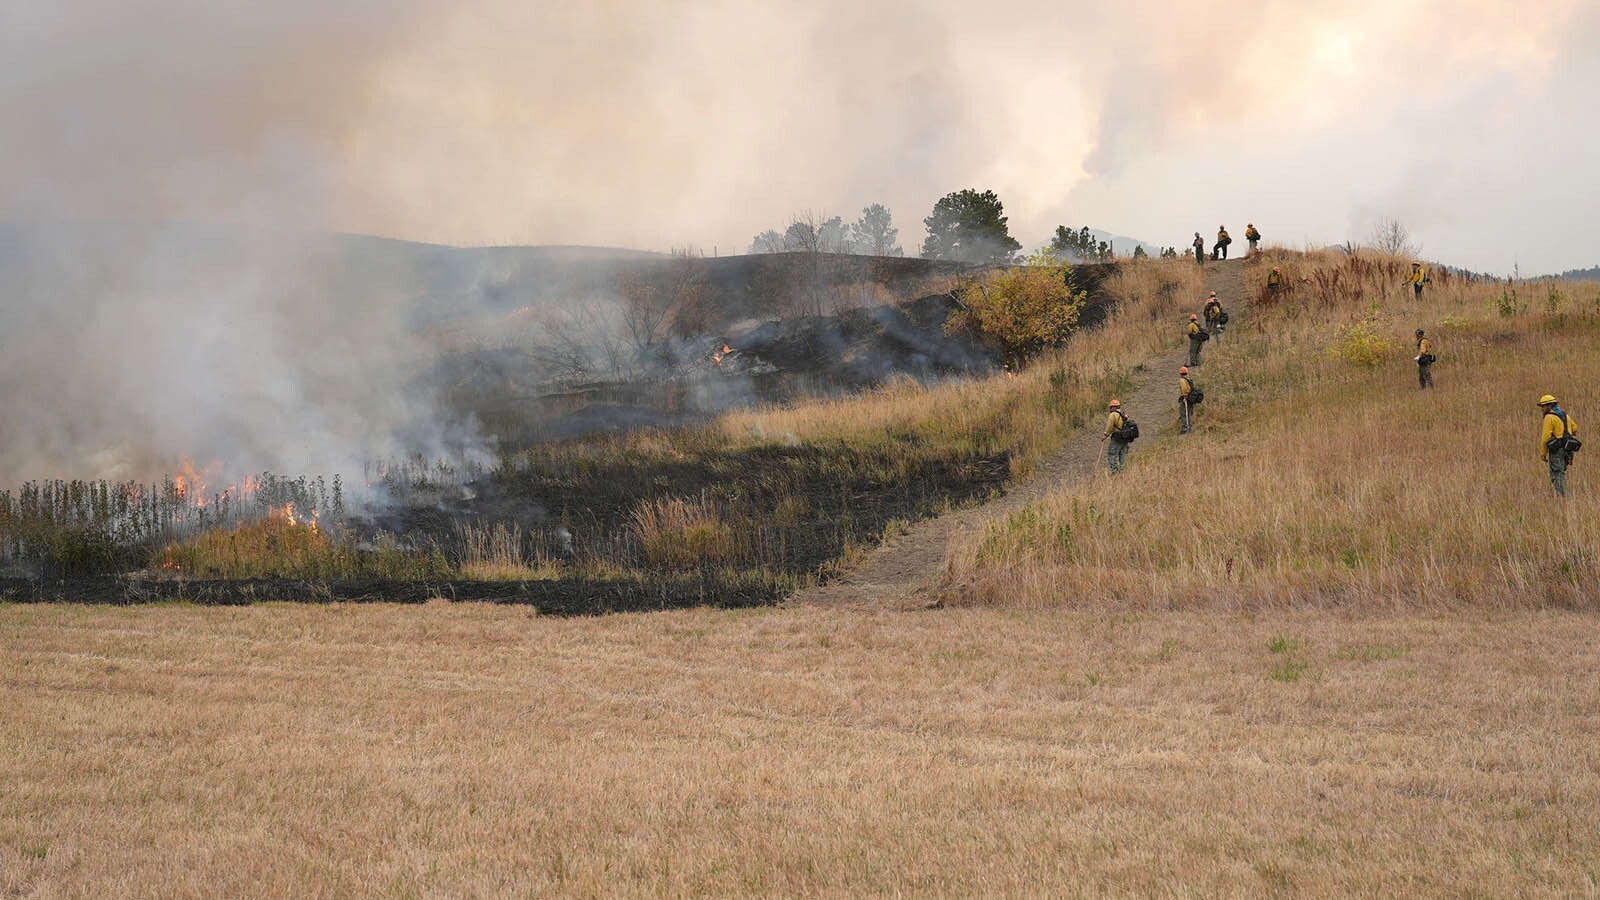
(1219, 250)
(1558, 434)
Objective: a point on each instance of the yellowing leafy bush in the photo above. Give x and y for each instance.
(1025, 310)
(1362, 345)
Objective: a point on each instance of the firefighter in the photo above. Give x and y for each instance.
(1220, 251)
(1213, 314)
(1185, 411)
(1199, 248)
(1554, 446)
(1196, 338)
(1417, 278)
(1424, 361)
(1274, 280)
(1253, 236)
(1116, 447)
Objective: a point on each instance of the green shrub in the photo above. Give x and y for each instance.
(1362, 345)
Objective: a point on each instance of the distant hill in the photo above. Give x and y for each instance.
(1123, 245)
(1590, 274)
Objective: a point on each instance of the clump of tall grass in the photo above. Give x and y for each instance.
(675, 532)
(500, 552)
(281, 547)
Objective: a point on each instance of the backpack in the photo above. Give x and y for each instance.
(1128, 432)
(1196, 396)
(1568, 441)
(1222, 317)
(1202, 335)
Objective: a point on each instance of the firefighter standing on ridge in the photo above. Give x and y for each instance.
(1117, 448)
(1556, 436)
(1425, 360)
(1253, 236)
(1185, 409)
(1213, 313)
(1220, 251)
(1199, 248)
(1196, 338)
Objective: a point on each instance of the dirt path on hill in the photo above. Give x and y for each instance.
(901, 573)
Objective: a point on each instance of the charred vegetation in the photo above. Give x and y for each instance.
(594, 378)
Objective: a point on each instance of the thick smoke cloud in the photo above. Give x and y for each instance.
(131, 347)
(699, 124)
(695, 124)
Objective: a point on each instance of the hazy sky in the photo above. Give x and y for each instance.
(699, 123)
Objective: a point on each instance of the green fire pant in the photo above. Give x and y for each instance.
(1558, 470)
(1116, 455)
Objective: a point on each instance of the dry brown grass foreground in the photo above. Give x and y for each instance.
(468, 750)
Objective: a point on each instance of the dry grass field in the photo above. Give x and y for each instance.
(474, 750)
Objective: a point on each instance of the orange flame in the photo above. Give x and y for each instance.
(287, 514)
(721, 354)
(190, 482)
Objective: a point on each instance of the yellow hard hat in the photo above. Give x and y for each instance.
(1547, 399)
(1115, 404)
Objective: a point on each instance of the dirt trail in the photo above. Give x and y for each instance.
(901, 572)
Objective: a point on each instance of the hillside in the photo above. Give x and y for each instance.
(1320, 474)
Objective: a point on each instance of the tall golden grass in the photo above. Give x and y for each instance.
(1317, 478)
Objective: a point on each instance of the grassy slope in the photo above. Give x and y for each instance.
(1316, 480)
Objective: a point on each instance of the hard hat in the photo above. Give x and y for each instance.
(1547, 399)
(1419, 331)
(1115, 404)
(1183, 370)
(1193, 317)
(1274, 268)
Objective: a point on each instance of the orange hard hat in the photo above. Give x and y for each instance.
(1183, 370)
(1115, 404)
(1193, 317)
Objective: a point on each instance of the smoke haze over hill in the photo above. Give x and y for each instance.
(703, 123)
